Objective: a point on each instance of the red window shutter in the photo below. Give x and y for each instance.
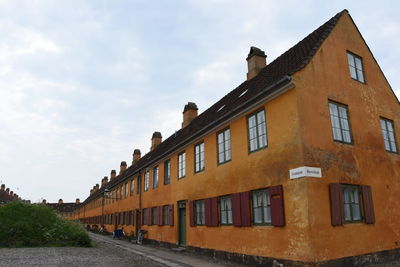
(236, 210)
(337, 204)
(160, 215)
(207, 211)
(150, 216)
(192, 213)
(245, 208)
(171, 214)
(144, 216)
(368, 204)
(214, 211)
(277, 208)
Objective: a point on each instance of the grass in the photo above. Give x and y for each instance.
(29, 225)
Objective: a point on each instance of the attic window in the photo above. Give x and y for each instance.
(221, 108)
(245, 91)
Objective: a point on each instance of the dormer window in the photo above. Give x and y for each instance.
(356, 67)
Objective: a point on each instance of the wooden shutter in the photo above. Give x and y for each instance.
(214, 211)
(171, 214)
(368, 204)
(150, 216)
(192, 213)
(207, 211)
(236, 210)
(277, 208)
(337, 204)
(143, 216)
(245, 208)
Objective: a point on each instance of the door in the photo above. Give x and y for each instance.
(182, 223)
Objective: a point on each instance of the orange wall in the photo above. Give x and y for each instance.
(299, 134)
(365, 162)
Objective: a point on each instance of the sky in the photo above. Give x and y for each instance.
(84, 83)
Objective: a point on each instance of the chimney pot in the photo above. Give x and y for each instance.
(136, 156)
(60, 201)
(256, 61)
(104, 181)
(77, 201)
(11, 193)
(44, 201)
(156, 139)
(8, 190)
(113, 174)
(3, 187)
(189, 113)
(122, 167)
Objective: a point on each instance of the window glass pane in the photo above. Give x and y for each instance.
(358, 63)
(347, 214)
(227, 134)
(253, 144)
(356, 212)
(350, 59)
(228, 155)
(360, 76)
(389, 126)
(346, 136)
(393, 144)
(252, 121)
(342, 112)
(353, 73)
(220, 138)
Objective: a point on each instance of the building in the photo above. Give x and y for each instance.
(6, 195)
(64, 209)
(299, 163)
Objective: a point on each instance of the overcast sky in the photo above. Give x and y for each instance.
(83, 83)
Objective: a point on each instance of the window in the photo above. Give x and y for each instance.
(200, 212)
(224, 146)
(166, 215)
(388, 135)
(351, 203)
(146, 181)
(199, 157)
(126, 190)
(257, 130)
(356, 67)
(167, 172)
(340, 122)
(261, 207)
(181, 165)
(226, 210)
(351, 198)
(154, 215)
(121, 192)
(132, 187)
(155, 177)
(144, 216)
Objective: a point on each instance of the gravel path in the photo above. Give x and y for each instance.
(102, 255)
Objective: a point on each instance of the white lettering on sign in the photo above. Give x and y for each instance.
(305, 172)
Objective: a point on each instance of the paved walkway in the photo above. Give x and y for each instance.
(161, 255)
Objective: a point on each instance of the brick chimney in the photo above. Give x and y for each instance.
(122, 167)
(60, 201)
(8, 190)
(104, 181)
(96, 188)
(44, 201)
(3, 187)
(156, 139)
(11, 193)
(189, 113)
(113, 174)
(77, 201)
(91, 191)
(136, 156)
(256, 61)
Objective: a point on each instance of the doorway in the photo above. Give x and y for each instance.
(182, 223)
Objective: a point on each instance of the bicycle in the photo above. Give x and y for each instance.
(140, 237)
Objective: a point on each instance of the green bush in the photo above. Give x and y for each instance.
(27, 225)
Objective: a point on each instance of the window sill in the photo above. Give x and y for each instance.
(224, 162)
(256, 150)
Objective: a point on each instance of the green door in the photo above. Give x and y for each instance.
(182, 223)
